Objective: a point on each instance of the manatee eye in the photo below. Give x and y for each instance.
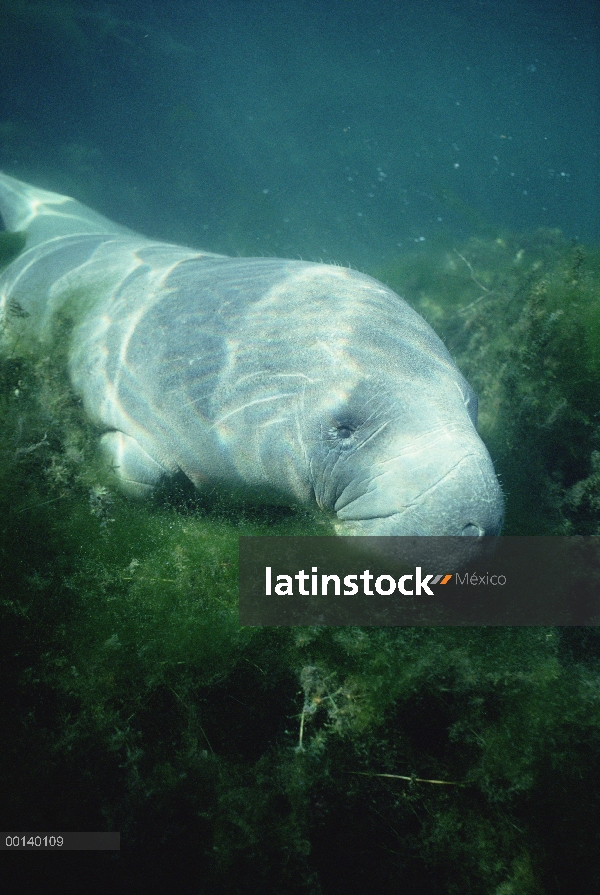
(341, 433)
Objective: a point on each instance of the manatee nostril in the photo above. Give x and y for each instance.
(472, 530)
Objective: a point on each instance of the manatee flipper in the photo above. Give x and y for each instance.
(137, 472)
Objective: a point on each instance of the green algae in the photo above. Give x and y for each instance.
(270, 760)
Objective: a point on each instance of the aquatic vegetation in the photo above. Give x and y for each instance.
(314, 760)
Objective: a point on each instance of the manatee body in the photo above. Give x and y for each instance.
(279, 381)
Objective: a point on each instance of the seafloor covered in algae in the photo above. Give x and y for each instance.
(448, 760)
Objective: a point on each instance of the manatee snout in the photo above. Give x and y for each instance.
(451, 493)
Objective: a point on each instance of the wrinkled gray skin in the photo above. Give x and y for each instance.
(280, 381)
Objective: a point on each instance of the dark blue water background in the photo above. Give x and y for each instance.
(348, 131)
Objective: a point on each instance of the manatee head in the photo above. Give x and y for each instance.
(393, 465)
(387, 426)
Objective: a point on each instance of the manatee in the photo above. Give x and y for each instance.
(274, 381)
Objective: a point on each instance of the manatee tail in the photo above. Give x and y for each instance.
(42, 215)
